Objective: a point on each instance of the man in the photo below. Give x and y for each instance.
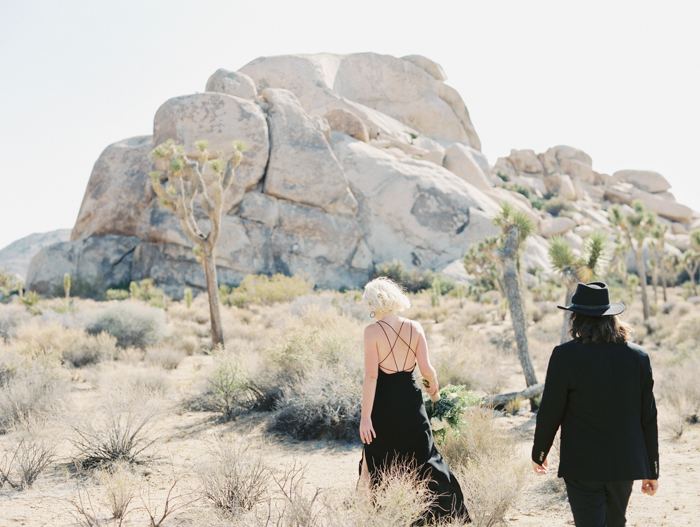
(599, 389)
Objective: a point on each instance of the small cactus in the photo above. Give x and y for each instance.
(188, 297)
(66, 285)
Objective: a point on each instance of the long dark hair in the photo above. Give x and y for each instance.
(587, 329)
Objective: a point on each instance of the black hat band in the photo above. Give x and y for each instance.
(579, 306)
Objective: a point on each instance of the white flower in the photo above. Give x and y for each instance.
(452, 396)
(437, 424)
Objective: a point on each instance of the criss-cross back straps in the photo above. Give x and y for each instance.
(392, 345)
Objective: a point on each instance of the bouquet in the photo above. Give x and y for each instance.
(448, 410)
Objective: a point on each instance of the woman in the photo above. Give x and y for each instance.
(599, 390)
(394, 425)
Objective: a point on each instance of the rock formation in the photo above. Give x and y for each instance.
(351, 160)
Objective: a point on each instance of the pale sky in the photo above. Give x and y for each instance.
(618, 79)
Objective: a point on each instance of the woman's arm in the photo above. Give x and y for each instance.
(426, 369)
(551, 411)
(369, 386)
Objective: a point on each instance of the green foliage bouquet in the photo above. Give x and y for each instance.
(448, 410)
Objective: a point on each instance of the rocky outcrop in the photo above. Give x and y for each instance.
(221, 119)
(118, 191)
(392, 86)
(350, 161)
(302, 167)
(232, 83)
(15, 258)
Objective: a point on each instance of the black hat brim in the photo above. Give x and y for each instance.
(608, 311)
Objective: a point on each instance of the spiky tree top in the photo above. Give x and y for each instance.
(636, 225)
(586, 267)
(509, 216)
(180, 177)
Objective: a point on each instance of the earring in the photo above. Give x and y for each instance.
(371, 315)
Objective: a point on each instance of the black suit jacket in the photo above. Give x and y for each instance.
(601, 396)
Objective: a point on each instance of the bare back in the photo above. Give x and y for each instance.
(397, 352)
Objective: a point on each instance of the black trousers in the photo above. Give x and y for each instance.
(598, 503)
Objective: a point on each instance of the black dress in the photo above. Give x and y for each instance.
(404, 434)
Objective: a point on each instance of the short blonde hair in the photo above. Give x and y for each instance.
(383, 295)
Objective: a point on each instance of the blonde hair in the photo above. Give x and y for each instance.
(383, 295)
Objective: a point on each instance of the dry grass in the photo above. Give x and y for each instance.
(234, 479)
(487, 462)
(22, 465)
(120, 486)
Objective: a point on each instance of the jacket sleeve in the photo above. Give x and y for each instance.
(552, 407)
(649, 424)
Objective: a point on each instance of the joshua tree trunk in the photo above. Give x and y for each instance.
(662, 275)
(209, 263)
(654, 284)
(641, 272)
(567, 316)
(516, 305)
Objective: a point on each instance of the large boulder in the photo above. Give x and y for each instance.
(395, 87)
(119, 190)
(461, 160)
(346, 122)
(302, 166)
(646, 180)
(562, 185)
(101, 261)
(663, 207)
(232, 83)
(222, 119)
(432, 67)
(433, 215)
(15, 258)
(557, 225)
(557, 156)
(525, 161)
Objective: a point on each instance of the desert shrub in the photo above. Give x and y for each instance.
(132, 324)
(76, 347)
(165, 357)
(145, 291)
(263, 289)
(21, 466)
(488, 464)
(120, 486)
(229, 389)
(556, 205)
(325, 405)
(120, 437)
(520, 189)
(680, 390)
(233, 478)
(131, 381)
(413, 281)
(399, 498)
(81, 287)
(11, 317)
(32, 386)
(116, 294)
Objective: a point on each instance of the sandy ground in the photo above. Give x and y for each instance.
(184, 439)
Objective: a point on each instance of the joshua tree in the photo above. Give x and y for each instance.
(690, 261)
(636, 226)
(574, 269)
(7, 283)
(516, 226)
(658, 250)
(178, 179)
(481, 261)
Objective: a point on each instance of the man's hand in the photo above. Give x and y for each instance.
(366, 430)
(650, 486)
(540, 469)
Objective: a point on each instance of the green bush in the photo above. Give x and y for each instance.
(413, 281)
(520, 189)
(132, 324)
(556, 205)
(263, 289)
(116, 294)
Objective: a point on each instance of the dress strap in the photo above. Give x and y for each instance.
(398, 336)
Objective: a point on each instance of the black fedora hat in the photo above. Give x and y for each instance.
(593, 299)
